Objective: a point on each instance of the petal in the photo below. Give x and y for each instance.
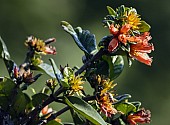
(113, 45)
(140, 47)
(50, 50)
(142, 57)
(113, 29)
(125, 28)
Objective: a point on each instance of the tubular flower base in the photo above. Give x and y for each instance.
(142, 116)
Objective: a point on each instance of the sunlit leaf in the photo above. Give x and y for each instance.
(85, 110)
(83, 38)
(125, 107)
(144, 27)
(111, 11)
(46, 68)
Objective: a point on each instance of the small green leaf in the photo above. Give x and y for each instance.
(126, 107)
(116, 65)
(3, 50)
(111, 11)
(85, 110)
(144, 27)
(83, 38)
(38, 99)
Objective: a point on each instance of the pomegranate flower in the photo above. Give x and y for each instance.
(140, 51)
(142, 116)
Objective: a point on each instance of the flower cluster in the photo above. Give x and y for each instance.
(130, 33)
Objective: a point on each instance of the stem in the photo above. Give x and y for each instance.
(98, 55)
(38, 108)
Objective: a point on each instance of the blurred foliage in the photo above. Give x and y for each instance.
(19, 19)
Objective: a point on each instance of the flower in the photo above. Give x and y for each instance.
(142, 116)
(105, 103)
(75, 85)
(140, 50)
(22, 75)
(41, 46)
(105, 98)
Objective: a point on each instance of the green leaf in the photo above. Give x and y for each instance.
(76, 118)
(53, 122)
(83, 38)
(46, 68)
(144, 27)
(116, 65)
(6, 87)
(56, 70)
(20, 104)
(85, 110)
(11, 98)
(38, 99)
(126, 107)
(3, 50)
(111, 11)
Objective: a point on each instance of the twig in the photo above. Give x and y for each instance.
(97, 56)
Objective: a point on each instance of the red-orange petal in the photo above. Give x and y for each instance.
(113, 45)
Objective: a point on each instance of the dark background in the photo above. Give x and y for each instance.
(41, 18)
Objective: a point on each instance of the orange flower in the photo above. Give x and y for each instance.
(139, 51)
(142, 116)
